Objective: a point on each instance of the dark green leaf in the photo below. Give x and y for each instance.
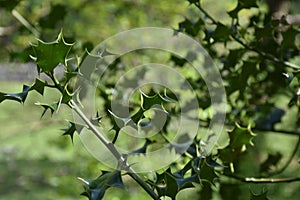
(38, 86)
(240, 136)
(167, 185)
(221, 33)
(19, 97)
(72, 127)
(96, 188)
(49, 55)
(207, 173)
(52, 107)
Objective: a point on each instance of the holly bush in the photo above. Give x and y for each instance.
(258, 59)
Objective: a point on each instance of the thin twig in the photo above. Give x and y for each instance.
(111, 147)
(25, 23)
(262, 180)
(295, 133)
(262, 54)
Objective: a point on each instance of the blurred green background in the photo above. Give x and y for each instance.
(36, 162)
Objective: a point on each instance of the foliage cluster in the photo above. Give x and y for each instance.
(257, 61)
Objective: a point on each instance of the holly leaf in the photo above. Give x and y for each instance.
(19, 97)
(72, 127)
(38, 86)
(49, 55)
(166, 185)
(240, 136)
(222, 33)
(52, 107)
(95, 189)
(207, 173)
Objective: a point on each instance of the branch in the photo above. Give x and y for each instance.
(25, 23)
(262, 180)
(295, 133)
(111, 147)
(262, 54)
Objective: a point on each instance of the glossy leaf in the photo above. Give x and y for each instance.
(96, 189)
(19, 97)
(48, 55)
(52, 107)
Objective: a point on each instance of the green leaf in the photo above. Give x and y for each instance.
(221, 33)
(240, 136)
(96, 188)
(72, 127)
(38, 86)
(19, 97)
(167, 185)
(262, 196)
(49, 55)
(242, 4)
(191, 28)
(52, 107)
(207, 173)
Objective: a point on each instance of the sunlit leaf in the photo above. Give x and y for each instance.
(49, 55)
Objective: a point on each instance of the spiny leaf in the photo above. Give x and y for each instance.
(221, 33)
(49, 55)
(52, 107)
(72, 127)
(240, 136)
(19, 97)
(207, 173)
(96, 188)
(166, 185)
(38, 86)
